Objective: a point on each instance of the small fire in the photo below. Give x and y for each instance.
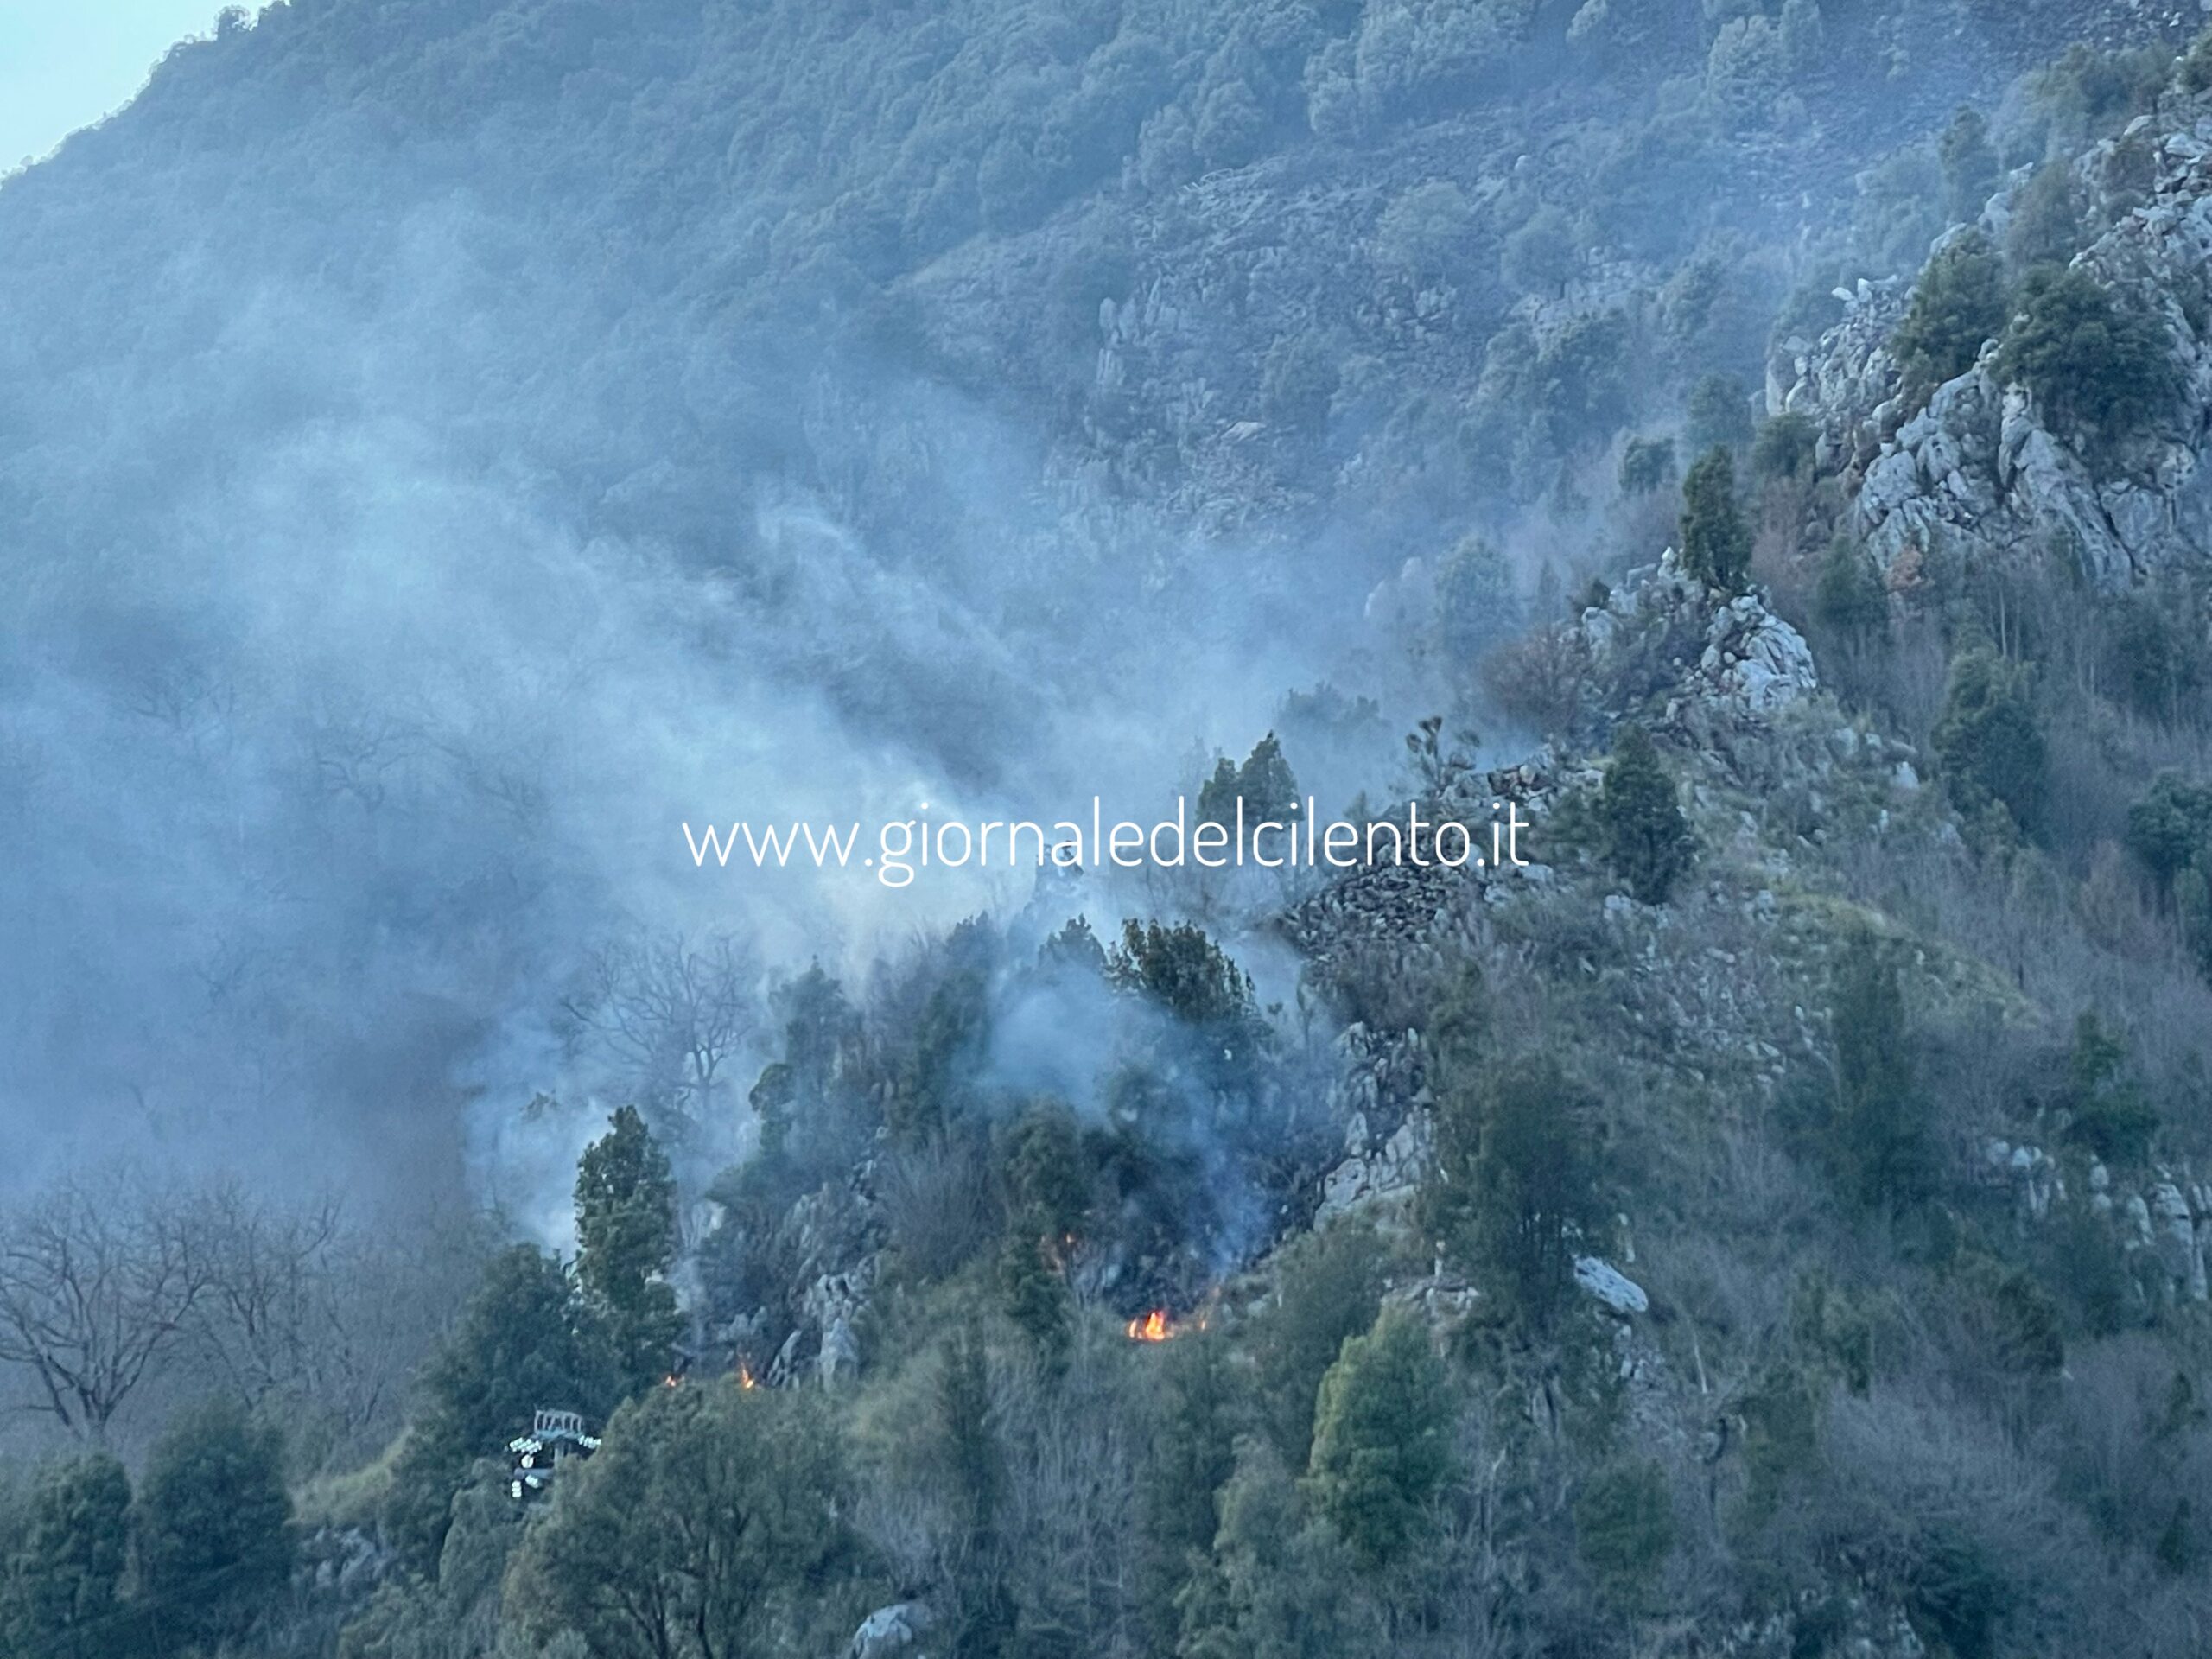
(1152, 1327)
(671, 1380)
(744, 1378)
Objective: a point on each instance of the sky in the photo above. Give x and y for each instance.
(65, 63)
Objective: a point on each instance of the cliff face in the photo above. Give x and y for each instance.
(1981, 471)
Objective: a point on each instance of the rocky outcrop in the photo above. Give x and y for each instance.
(1978, 474)
(2162, 1222)
(894, 1632)
(1710, 660)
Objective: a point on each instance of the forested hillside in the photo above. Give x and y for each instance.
(447, 444)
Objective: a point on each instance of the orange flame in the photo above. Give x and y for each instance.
(745, 1377)
(1152, 1327)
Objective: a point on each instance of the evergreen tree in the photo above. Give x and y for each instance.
(1971, 169)
(1878, 1139)
(1514, 1188)
(1646, 466)
(1959, 303)
(1191, 1455)
(2170, 827)
(2094, 364)
(1624, 1527)
(982, 1615)
(523, 1342)
(215, 1541)
(1034, 1294)
(710, 1521)
(625, 1241)
(1382, 1439)
(1648, 842)
(1850, 597)
(2108, 1109)
(1989, 742)
(1331, 1288)
(1720, 412)
(65, 1600)
(1716, 543)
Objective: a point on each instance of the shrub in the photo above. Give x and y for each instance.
(1624, 1525)
(1784, 448)
(2196, 72)
(1646, 466)
(2048, 218)
(2092, 363)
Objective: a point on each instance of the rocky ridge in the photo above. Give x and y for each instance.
(1980, 472)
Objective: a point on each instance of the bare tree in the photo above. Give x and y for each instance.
(670, 1013)
(97, 1280)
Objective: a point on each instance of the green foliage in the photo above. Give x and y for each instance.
(1382, 1439)
(214, 1540)
(1971, 169)
(1476, 605)
(2195, 74)
(1959, 303)
(1189, 1459)
(625, 1243)
(1279, 1585)
(1034, 1295)
(64, 1598)
(1783, 448)
(1186, 972)
(524, 1341)
(1849, 597)
(1719, 413)
(1264, 783)
(1330, 1289)
(1782, 1441)
(708, 1523)
(2169, 829)
(1878, 1138)
(1542, 256)
(1989, 740)
(2093, 363)
(1716, 541)
(1646, 466)
(1514, 1188)
(2049, 220)
(1957, 1592)
(1648, 842)
(2089, 93)
(2017, 1323)
(1042, 1171)
(1624, 1527)
(2108, 1111)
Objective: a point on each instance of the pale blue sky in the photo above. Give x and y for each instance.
(65, 63)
